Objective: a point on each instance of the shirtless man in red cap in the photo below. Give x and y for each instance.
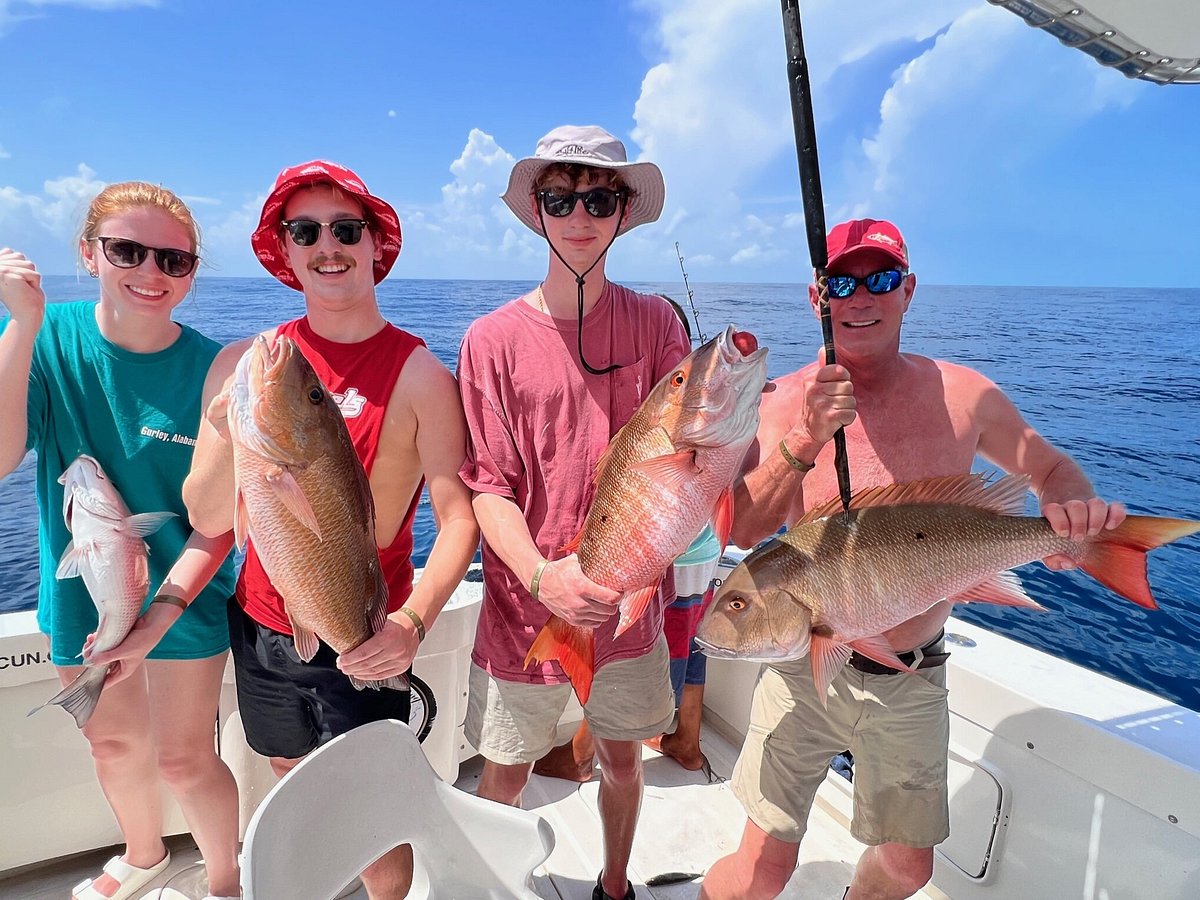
(323, 233)
(907, 418)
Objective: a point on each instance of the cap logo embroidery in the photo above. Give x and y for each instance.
(881, 238)
(575, 150)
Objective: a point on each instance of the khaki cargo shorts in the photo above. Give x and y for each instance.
(511, 722)
(897, 727)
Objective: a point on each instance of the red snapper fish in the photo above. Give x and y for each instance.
(304, 497)
(834, 583)
(665, 474)
(108, 551)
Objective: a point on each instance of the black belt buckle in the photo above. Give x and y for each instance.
(932, 654)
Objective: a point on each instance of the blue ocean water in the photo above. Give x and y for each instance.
(1110, 375)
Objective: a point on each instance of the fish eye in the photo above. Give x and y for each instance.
(316, 395)
(677, 379)
(737, 604)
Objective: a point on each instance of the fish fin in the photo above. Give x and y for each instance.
(1003, 588)
(241, 519)
(378, 613)
(80, 697)
(828, 655)
(68, 504)
(633, 605)
(306, 641)
(1117, 558)
(877, 648)
(146, 523)
(395, 683)
(73, 557)
(723, 517)
(288, 491)
(575, 650)
(1005, 496)
(572, 545)
(672, 470)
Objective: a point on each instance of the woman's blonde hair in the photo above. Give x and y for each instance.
(126, 195)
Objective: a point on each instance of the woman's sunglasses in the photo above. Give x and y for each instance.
(126, 254)
(882, 282)
(306, 232)
(600, 203)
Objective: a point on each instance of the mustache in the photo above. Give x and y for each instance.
(334, 258)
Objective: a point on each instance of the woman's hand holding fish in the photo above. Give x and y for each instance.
(1077, 519)
(385, 654)
(21, 288)
(572, 596)
(128, 656)
(218, 414)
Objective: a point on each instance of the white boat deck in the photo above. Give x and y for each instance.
(686, 824)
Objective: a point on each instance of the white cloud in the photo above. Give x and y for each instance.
(13, 12)
(4, 154)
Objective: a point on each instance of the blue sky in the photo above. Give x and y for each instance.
(1005, 157)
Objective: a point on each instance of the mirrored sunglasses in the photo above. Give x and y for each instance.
(600, 203)
(126, 254)
(882, 282)
(306, 232)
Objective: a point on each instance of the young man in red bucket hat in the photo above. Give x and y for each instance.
(323, 233)
(547, 379)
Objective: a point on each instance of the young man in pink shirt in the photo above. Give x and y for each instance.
(546, 381)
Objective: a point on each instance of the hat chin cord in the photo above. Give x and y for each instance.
(579, 281)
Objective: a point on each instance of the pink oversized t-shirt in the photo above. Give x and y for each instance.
(538, 423)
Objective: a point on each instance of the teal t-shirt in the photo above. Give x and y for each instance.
(137, 414)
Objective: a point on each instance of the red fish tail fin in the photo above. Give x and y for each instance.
(633, 605)
(573, 648)
(1117, 558)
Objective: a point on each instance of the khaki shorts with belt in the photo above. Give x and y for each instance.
(896, 725)
(512, 723)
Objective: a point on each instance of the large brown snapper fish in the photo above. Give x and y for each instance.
(835, 583)
(108, 551)
(665, 474)
(303, 496)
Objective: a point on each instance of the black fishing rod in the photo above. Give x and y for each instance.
(814, 209)
(691, 301)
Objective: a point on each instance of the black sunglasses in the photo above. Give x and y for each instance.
(306, 232)
(882, 282)
(600, 203)
(126, 254)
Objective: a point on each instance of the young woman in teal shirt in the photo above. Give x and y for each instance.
(121, 381)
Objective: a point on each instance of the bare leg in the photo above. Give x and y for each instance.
(683, 744)
(572, 761)
(620, 803)
(503, 783)
(183, 699)
(390, 876)
(759, 869)
(891, 872)
(122, 747)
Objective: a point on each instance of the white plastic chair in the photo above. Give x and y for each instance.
(364, 793)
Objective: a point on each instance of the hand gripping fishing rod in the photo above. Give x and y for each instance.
(814, 210)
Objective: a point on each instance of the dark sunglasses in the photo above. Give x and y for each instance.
(600, 203)
(882, 282)
(126, 254)
(306, 232)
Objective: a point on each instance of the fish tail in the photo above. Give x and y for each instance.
(80, 697)
(395, 683)
(1117, 558)
(575, 650)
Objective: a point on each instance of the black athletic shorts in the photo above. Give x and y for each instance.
(290, 707)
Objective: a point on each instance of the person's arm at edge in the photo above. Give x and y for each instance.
(208, 490)
(26, 302)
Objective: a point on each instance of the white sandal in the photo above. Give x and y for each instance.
(130, 879)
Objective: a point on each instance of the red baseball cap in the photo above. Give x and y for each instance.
(385, 224)
(863, 236)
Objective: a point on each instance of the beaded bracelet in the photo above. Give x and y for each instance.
(416, 620)
(792, 461)
(536, 582)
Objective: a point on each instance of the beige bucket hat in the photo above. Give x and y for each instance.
(587, 145)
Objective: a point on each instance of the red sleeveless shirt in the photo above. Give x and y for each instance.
(361, 378)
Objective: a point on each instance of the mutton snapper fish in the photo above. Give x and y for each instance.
(108, 551)
(835, 583)
(304, 498)
(665, 474)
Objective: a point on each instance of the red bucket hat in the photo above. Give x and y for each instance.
(385, 224)
(863, 236)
